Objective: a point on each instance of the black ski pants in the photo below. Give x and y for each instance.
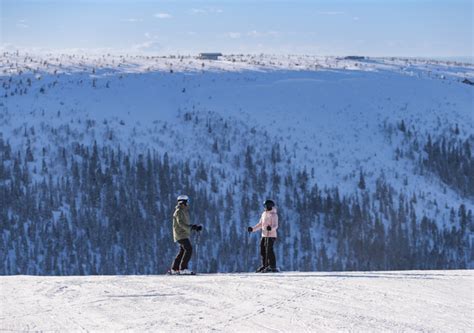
(268, 258)
(184, 255)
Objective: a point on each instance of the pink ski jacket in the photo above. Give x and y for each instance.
(268, 218)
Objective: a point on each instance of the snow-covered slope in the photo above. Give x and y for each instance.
(314, 133)
(408, 301)
(329, 112)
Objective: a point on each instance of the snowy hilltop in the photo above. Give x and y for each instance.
(408, 301)
(369, 161)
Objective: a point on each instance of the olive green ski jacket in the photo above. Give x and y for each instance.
(181, 223)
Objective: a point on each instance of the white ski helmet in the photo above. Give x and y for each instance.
(183, 197)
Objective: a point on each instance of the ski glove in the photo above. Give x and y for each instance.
(249, 229)
(196, 227)
(269, 228)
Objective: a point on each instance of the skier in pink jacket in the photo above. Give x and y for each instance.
(268, 223)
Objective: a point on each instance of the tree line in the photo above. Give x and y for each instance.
(100, 209)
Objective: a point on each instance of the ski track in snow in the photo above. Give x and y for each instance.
(408, 301)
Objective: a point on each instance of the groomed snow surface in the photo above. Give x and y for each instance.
(429, 301)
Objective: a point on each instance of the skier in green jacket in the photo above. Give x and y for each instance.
(181, 233)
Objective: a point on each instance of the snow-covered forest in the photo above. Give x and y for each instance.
(369, 161)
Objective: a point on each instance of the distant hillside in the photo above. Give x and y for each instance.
(370, 161)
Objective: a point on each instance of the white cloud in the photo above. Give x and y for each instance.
(234, 35)
(198, 11)
(132, 20)
(163, 15)
(253, 33)
(206, 11)
(22, 23)
(148, 46)
(151, 44)
(256, 34)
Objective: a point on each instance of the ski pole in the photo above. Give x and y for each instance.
(247, 251)
(197, 250)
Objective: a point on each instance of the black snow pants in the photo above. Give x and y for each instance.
(268, 259)
(184, 255)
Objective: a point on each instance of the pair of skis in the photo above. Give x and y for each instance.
(194, 273)
(180, 274)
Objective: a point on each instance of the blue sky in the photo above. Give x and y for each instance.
(366, 27)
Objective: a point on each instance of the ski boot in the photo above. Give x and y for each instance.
(270, 270)
(186, 272)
